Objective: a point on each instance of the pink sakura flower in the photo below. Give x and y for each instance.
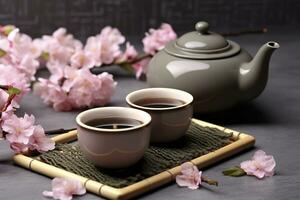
(39, 141)
(81, 86)
(190, 176)
(57, 71)
(93, 47)
(23, 135)
(18, 147)
(11, 76)
(129, 54)
(86, 89)
(106, 91)
(28, 65)
(156, 40)
(19, 130)
(111, 38)
(20, 53)
(79, 89)
(260, 165)
(66, 39)
(105, 47)
(64, 189)
(60, 46)
(141, 67)
(52, 94)
(81, 59)
(112, 35)
(21, 44)
(58, 52)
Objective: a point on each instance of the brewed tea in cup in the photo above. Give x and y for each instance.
(113, 137)
(114, 123)
(171, 111)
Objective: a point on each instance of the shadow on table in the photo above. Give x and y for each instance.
(248, 113)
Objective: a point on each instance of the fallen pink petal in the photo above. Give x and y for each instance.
(190, 176)
(65, 188)
(261, 165)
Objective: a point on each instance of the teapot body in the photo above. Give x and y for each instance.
(214, 83)
(217, 72)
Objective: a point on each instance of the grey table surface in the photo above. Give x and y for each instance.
(273, 118)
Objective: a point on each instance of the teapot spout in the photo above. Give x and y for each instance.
(253, 76)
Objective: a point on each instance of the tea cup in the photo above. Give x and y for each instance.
(169, 122)
(109, 147)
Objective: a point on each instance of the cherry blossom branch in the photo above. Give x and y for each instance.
(138, 59)
(12, 92)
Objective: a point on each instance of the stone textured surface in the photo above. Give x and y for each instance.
(273, 118)
(134, 17)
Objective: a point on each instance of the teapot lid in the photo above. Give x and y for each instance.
(202, 44)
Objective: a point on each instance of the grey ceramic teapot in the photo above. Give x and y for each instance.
(217, 72)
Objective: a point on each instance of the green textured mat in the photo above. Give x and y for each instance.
(198, 141)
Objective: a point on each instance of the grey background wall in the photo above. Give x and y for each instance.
(134, 17)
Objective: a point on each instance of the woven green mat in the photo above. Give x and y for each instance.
(198, 141)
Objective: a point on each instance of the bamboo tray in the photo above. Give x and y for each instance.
(243, 141)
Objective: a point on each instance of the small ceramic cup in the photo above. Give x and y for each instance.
(113, 148)
(170, 123)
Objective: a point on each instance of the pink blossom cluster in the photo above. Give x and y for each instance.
(61, 48)
(71, 88)
(156, 40)
(18, 59)
(21, 133)
(71, 84)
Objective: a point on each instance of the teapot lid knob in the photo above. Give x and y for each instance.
(202, 27)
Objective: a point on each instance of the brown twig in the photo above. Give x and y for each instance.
(140, 58)
(244, 32)
(129, 62)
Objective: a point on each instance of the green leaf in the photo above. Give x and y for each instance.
(2, 53)
(8, 29)
(13, 91)
(127, 67)
(45, 56)
(234, 171)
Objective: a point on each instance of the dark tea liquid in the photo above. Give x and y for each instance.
(159, 102)
(114, 123)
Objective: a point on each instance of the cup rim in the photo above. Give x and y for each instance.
(83, 125)
(191, 99)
